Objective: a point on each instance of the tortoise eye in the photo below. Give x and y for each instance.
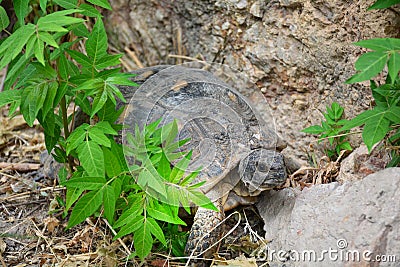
(262, 166)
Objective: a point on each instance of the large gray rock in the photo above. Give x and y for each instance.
(360, 218)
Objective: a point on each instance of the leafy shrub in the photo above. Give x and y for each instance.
(47, 75)
(383, 121)
(331, 129)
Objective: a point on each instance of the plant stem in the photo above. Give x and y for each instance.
(63, 104)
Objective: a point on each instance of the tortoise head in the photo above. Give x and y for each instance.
(262, 169)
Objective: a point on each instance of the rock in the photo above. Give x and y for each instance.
(360, 218)
(50, 167)
(256, 9)
(360, 163)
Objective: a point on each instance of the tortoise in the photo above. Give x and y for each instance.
(238, 152)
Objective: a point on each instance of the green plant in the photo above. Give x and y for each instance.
(382, 122)
(175, 239)
(48, 75)
(152, 194)
(330, 129)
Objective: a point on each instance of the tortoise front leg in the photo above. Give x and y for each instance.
(204, 235)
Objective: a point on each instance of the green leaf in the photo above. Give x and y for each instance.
(112, 164)
(14, 70)
(43, 5)
(380, 4)
(109, 113)
(72, 196)
(185, 201)
(201, 200)
(48, 38)
(45, 71)
(117, 150)
(189, 178)
(164, 167)
(117, 185)
(179, 169)
(315, 129)
(90, 84)
(91, 157)
(345, 146)
(99, 137)
(395, 162)
(89, 11)
(79, 30)
(130, 214)
(111, 90)
(393, 114)
(173, 193)
(143, 241)
(99, 101)
(21, 8)
(38, 50)
(86, 182)
(32, 99)
(63, 67)
(395, 137)
(108, 61)
(121, 78)
(148, 179)
(55, 21)
(67, 4)
(151, 128)
(375, 130)
(30, 45)
(337, 111)
(131, 226)
(52, 130)
(96, 44)
(61, 91)
(109, 200)
(369, 65)
(394, 66)
(101, 3)
(83, 103)
(14, 44)
(26, 74)
(362, 118)
(80, 58)
(105, 74)
(7, 97)
(155, 230)
(76, 138)
(105, 127)
(381, 95)
(380, 44)
(4, 20)
(86, 206)
(161, 213)
(49, 100)
(169, 133)
(62, 174)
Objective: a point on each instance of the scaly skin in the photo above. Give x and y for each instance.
(202, 235)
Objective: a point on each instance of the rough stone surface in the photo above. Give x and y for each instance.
(360, 163)
(298, 52)
(364, 213)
